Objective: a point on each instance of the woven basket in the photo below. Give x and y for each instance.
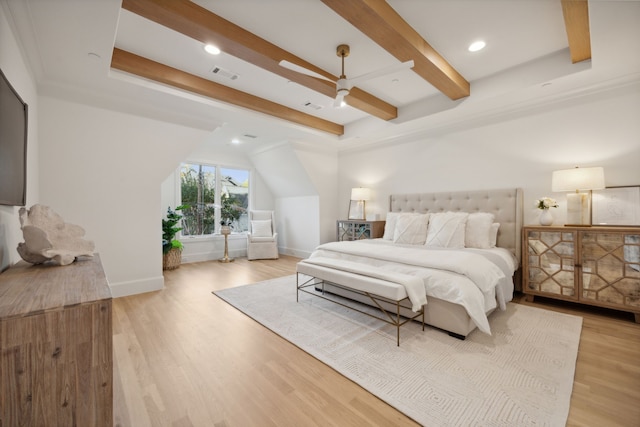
(172, 259)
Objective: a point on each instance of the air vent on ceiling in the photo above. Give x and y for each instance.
(219, 71)
(310, 104)
(248, 135)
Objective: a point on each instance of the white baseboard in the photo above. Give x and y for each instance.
(124, 289)
(298, 253)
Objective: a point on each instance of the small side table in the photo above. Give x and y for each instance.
(358, 229)
(225, 231)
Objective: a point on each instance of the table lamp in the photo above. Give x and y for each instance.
(360, 196)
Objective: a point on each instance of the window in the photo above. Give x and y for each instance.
(234, 197)
(213, 194)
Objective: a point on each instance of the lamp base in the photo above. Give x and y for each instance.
(578, 209)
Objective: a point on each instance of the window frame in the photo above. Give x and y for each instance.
(217, 198)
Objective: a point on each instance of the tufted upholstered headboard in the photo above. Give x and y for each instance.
(505, 204)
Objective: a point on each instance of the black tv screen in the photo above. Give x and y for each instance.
(13, 145)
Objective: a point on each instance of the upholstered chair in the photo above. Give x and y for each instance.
(262, 239)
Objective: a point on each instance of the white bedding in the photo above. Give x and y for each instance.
(477, 279)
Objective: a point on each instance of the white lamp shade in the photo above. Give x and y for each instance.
(360, 193)
(578, 179)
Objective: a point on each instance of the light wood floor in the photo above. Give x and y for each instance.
(183, 357)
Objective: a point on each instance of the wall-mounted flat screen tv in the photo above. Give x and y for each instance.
(13, 145)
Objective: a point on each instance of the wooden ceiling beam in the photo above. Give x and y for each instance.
(576, 22)
(201, 24)
(382, 24)
(146, 68)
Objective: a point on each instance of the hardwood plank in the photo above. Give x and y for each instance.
(182, 347)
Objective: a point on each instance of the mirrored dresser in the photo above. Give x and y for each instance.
(590, 265)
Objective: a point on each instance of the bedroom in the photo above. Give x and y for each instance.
(112, 156)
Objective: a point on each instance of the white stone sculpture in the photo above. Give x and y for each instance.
(48, 237)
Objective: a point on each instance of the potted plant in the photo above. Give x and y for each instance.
(171, 247)
(229, 213)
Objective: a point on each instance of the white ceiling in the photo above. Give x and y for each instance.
(69, 45)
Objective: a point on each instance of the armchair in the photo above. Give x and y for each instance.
(262, 239)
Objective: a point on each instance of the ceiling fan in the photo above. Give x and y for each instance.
(344, 84)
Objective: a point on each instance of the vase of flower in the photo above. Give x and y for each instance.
(545, 217)
(545, 204)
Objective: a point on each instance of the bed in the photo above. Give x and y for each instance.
(461, 287)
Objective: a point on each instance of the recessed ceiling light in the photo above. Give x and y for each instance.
(213, 50)
(235, 141)
(476, 46)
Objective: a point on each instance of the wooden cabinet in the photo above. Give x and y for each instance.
(358, 229)
(591, 265)
(56, 361)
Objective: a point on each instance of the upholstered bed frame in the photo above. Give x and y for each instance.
(505, 204)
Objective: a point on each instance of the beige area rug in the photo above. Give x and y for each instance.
(522, 375)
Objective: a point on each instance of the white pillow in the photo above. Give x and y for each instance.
(411, 229)
(261, 228)
(446, 229)
(390, 224)
(478, 230)
(493, 234)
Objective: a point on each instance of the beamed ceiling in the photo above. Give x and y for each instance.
(377, 20)
(146, 58)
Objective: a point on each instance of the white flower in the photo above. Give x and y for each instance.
(546, 203)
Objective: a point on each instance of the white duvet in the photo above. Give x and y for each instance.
(478, 280)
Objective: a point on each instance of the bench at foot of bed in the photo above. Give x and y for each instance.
(379, 293)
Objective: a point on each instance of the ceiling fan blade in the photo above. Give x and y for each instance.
(302, 70)
(381, 72)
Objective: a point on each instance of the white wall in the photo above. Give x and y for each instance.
(19, 75)
(322, 167)
(103, 170)
(298, 223)
(295, 196)
(602, 130)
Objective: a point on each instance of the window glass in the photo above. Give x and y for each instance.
(197, 187)
(234, 197)
(214, 195)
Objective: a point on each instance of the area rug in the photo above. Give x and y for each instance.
(520, 375)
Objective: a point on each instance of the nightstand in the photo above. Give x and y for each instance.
(355, 229)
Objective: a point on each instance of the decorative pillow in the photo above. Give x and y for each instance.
(411, 229)
(478, 230)
(261, 228)
(493, 234)
(390, 224)
(446, 229)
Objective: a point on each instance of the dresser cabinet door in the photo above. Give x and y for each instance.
(611, 269)
(551, 263)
